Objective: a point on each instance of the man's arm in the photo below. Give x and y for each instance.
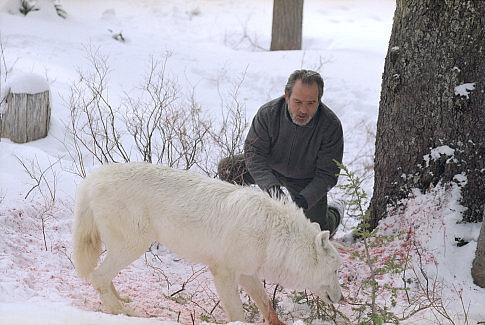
(327, 170)
(257, 149)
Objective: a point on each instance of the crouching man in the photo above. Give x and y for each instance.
(293, 142)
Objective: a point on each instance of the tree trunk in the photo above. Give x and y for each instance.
(431, 123)
(27, 117)
(287, 25)
(478, 267)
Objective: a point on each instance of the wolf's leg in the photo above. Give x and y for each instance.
(255, 289)
(226, 285)
(102, 277)
(122, 298)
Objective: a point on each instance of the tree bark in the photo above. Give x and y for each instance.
(433, 95)
(287, 25)
(478, 266)
(27, 117)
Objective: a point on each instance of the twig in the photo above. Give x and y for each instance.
(274, 296)
(215, 306)
(192, 316)
(32, 172)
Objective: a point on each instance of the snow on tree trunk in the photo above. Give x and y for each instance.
(431, 124)
(27, 110)
(287, 25)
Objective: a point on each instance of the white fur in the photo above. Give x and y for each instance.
(240, 233)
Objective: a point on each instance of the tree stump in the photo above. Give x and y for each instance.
(27, 113)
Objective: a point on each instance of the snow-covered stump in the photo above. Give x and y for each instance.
(26, 109)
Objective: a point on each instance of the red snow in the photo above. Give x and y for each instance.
(29, 271)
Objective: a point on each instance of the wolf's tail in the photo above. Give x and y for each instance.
(85, 237)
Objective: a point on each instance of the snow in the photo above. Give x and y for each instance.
(210, 45)
(57, 313)
(464, 89)
(26, 83)
(437, 152)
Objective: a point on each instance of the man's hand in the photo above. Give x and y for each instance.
(276, 192)
(301, 202)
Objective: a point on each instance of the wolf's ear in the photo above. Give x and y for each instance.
(322, 239)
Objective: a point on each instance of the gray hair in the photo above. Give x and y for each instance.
(307, 77)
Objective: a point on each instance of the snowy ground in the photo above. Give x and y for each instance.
(212, 44)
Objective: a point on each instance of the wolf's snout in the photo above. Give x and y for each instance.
(336, 298)
(331, 297)
(340, 298)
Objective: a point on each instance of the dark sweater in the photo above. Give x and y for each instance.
(275, 143)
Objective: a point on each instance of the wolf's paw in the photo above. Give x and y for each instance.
(129, 312)
(125, 298)
(122, 310)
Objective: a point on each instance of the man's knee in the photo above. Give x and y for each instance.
(333, 218)
(327, 217)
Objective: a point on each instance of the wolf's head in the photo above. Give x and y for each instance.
(325, 279)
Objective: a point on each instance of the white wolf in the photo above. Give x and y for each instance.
(240, 233)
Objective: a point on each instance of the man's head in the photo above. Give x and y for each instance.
(303, 93)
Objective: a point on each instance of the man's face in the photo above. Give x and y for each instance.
(303, 102)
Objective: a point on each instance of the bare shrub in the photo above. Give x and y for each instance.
(94, 124)
(190, 286)
(426, 292)
(167, 128)
(46, 186)
(190, 130)
(147, 112)
(243, 40)
(163, 124)
(313, 65)
(363, 162)
(4, 72)
(230, 134)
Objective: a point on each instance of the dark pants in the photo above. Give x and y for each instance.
(233, 170)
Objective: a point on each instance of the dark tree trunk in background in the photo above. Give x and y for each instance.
(433, 95)
(287, 25)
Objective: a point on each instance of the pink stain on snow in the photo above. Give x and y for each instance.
(27, 270)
